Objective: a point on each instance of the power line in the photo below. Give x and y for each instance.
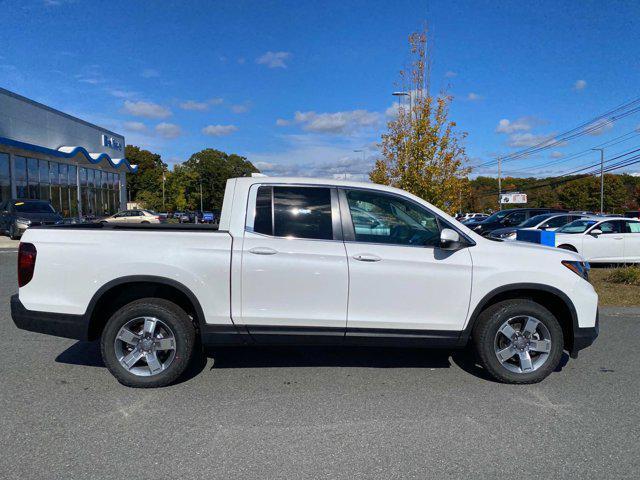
(621, 111)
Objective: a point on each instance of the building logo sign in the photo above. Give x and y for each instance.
(111, 142)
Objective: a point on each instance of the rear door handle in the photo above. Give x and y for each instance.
(366, 257)
(617, 238)
(263, 251)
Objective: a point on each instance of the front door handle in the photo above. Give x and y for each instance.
(617, 238)
(263, 251)
(366, 257)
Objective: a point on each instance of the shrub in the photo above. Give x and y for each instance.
(626, 275)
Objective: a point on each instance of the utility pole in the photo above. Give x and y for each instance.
(163, 180)
(500, 183)
(601, 178)
(201, 194)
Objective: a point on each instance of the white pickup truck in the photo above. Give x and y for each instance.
(305, 261)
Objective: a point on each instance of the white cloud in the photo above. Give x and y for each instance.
(474, 97)
(528, 139)
(240, 108)
(450, 74)
(219, 130)
(121, 93)
(281, 122)
(168, 130)
(138, 127)
(580, 85)
(523, 124)
(150, 73)
(310, 155)
(599, 127)
(242, 61)
(195, 106)
(336, 122)
(557, 154)
(146, 109)
(392, 111)
(274, 59)
(215, 101)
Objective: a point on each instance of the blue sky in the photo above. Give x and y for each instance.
(297, 86)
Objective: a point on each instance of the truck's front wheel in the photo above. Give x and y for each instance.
(148, 343)
(518, 341)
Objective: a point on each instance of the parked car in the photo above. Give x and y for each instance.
(545, 221)
(18, 215)
(132, 216)
(471, 216)
(184, 217)
(508, 218)
(208, 217)
(288, 258)
(602, 240)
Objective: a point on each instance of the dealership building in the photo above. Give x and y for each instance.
(49, 155)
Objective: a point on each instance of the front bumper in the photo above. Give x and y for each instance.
(584, 337)
(58, 324)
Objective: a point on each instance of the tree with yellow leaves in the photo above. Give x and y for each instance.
(421, 151)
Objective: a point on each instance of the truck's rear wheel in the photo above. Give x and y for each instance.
(148, 343)
(518, 341)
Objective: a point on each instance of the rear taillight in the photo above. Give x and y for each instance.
(26, 263)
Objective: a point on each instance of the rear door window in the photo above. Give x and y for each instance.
(296, 212)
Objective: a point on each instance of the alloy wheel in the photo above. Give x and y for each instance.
(145, 346)
(522, 344)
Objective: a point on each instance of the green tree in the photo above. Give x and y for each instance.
(213, 168)
(421, 151)
(148, 178)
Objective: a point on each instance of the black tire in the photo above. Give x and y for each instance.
(568, 247)
(171, 315)
(13, 232)
(145, 222)
(491, 320)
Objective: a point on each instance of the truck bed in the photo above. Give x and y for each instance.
(190, 227)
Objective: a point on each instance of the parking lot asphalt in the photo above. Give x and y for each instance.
(316, 413)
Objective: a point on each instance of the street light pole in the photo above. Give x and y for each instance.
(500, 183)
(601, 178)
(358, 151)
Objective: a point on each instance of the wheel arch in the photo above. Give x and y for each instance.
(555, 300)
(568, 246)
(118, 292)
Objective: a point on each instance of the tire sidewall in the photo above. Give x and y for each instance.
(174, 317)
(493, 318)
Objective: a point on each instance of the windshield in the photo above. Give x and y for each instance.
(534, 221)
(577, 226)
(496, 216)
(33, 207)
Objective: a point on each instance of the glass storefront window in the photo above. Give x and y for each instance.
(20, 175)
(63, 170)
(5, 177)
(73, 191)
(32, 178)
(45, 194)
(54, 178)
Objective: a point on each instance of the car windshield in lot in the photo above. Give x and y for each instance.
(577, 226)
(534, 221)
(495, 216)
(33, 207)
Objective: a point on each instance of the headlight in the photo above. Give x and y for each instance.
(23, 221)
(579, 268)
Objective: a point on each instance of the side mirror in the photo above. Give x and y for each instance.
(595, 232)
(544, 227)
(449, 239)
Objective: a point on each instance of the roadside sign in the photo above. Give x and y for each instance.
(513, 198)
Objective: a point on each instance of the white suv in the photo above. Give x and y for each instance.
(605, 240)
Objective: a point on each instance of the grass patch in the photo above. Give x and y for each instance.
(617, 286)
(625, 275)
